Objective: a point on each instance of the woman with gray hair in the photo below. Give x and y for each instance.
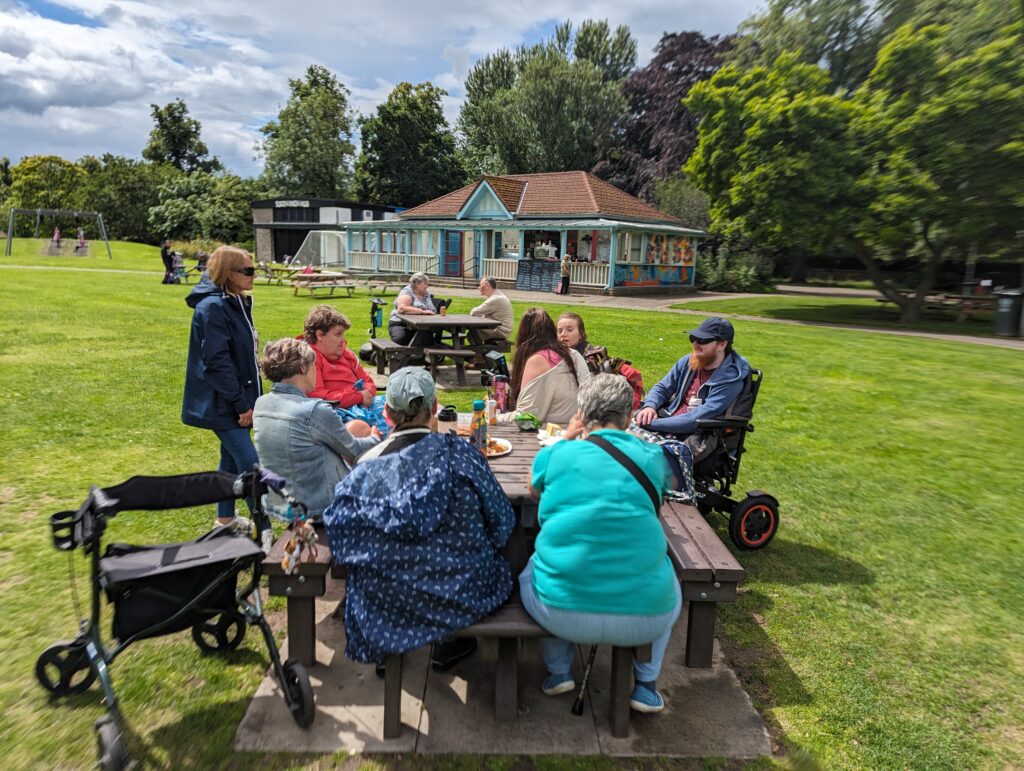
(600, 572)
(413, 300)
(302, 439)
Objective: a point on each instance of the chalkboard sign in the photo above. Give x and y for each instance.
(538, 275)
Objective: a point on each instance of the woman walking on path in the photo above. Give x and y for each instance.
(222, 379)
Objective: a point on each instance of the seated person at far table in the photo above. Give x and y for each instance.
(302, 439)
(546, 374)
(419, 524)
(497, 307)
(600, 572)
(412, 300)
(701, 385)
(573, 332)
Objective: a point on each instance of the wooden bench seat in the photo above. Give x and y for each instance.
(508, 624)
(388, 355)
(315, 283)
(708, 574)
(436, 356)
(302, 587)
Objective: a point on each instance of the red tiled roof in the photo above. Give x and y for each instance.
(552, 194)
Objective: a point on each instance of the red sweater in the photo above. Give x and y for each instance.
(335, 380)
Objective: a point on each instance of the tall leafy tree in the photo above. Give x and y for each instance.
(845, 36)
(919, 166)
(5, 179)
(550, 107)
(123, 190)
(656, 133)
(945, 138)
(175, 140)
(46, 182)
(204, 205)
(408, 150)
(308, 150)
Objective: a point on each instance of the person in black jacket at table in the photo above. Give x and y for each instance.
(222, 379)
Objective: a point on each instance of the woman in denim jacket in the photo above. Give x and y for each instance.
(302, 439)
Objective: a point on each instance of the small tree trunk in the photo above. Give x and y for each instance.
(798, 268)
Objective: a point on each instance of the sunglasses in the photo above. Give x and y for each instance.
(245, 271)
(702, 340)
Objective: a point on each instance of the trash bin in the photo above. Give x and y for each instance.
(1009, 303)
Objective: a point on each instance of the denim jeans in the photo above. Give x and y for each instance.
(617, 629)
(237, 455)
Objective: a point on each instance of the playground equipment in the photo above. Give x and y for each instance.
(71, 239)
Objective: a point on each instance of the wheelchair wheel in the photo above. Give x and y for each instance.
(110, 745)
(298, 693)
(64, 668)
(221, 633)
(753, 522)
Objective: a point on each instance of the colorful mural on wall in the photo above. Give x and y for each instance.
(653, 275)
(670, 250)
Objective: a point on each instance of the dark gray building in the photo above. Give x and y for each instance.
(281, 224)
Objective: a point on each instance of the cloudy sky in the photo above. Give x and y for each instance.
(77, 77)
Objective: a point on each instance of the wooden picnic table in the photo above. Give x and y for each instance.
(461, 330)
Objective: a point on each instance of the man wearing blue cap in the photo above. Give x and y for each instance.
(701, 385)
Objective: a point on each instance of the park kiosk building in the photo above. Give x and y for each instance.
(516, 227)
(282, 225)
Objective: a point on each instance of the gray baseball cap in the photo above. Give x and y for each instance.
(407, 384)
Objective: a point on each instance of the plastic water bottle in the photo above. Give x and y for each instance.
(478, 427)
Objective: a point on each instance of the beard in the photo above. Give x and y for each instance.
(702, 360)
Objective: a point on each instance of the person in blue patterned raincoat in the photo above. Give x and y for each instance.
(418, 522)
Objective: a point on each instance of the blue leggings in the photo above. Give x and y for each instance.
(237, 455)
(572, 627)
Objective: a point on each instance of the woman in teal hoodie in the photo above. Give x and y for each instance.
(600, 572)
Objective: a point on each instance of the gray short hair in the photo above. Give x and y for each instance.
(605, 399)
(489, 280)
(419, 278)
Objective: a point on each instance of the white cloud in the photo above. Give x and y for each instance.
(78, 77)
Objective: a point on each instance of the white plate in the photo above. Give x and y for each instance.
(506, 447)
(545, 438)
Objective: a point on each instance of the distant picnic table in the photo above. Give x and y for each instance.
(966, 305)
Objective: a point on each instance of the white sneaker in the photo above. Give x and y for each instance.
(267, 539)
(241, 525)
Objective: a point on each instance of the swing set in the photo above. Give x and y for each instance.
(55, 214)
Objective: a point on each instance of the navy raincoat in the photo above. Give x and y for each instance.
(419, 530)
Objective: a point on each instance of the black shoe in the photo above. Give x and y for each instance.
(380, 671)
(445, 655)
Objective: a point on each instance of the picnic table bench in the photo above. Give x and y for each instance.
(381, 282)
(966, 305)
(315, 282)
(302, 587)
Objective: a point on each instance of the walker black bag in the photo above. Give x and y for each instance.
(148, 584)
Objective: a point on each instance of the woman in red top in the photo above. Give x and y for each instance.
(339, 376)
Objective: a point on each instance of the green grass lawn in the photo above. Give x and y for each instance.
(866, 312)
(881, 629)
(124, 255)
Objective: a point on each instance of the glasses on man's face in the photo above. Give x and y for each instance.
(250, 271)
(701, 340)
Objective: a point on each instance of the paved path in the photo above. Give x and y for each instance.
(664, 301)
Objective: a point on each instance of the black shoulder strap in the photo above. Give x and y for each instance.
(630, 466)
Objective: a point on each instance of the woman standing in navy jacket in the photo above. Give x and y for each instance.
(222, 379)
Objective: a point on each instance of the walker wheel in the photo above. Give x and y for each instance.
(64, 668)
(298, 693)
(221, 633)
(753, 522)
(110, 745)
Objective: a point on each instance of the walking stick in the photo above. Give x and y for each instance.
(577, 707)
